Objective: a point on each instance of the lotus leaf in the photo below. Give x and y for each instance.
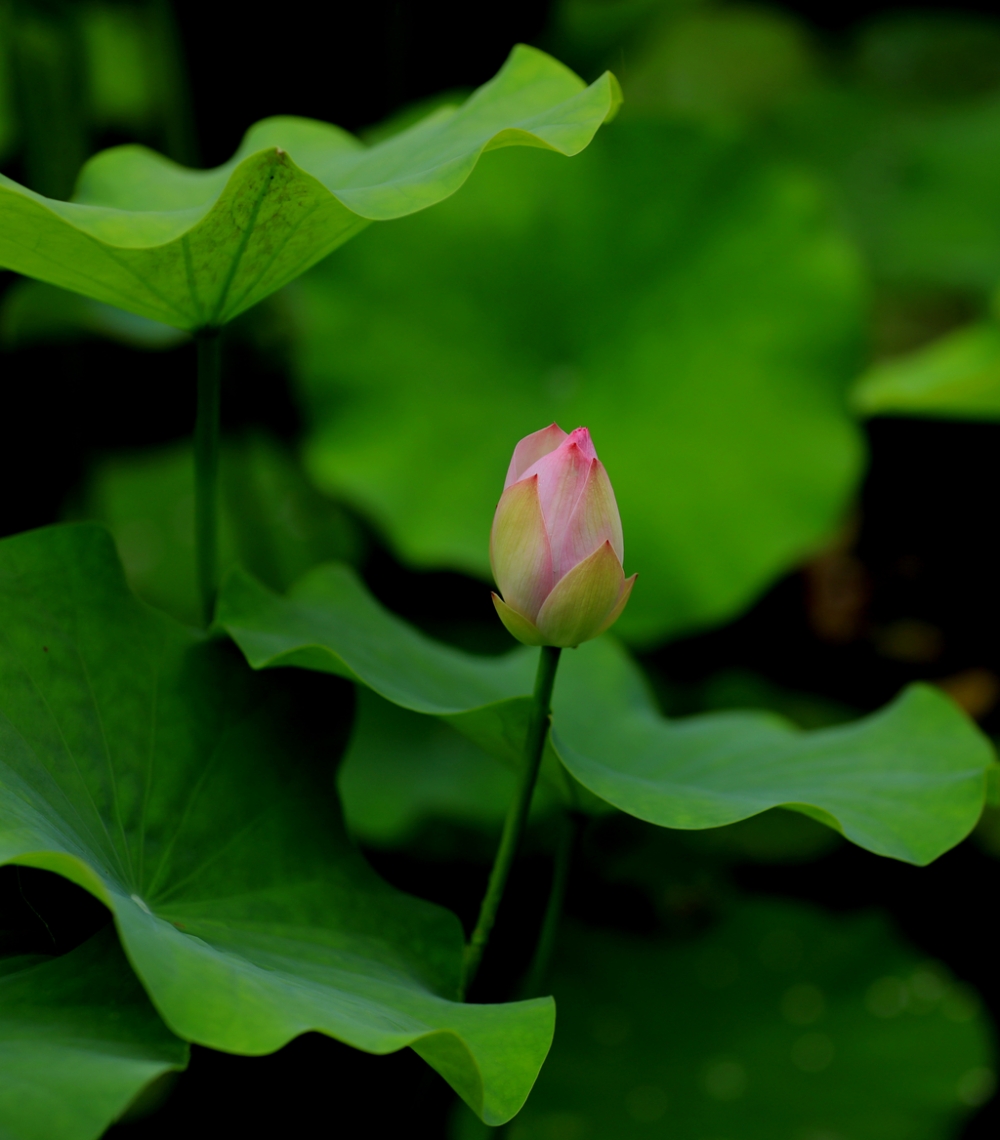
(144, 762)
(79, 1041)
(908, 781)
(195, 248)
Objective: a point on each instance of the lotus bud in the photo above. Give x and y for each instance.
(556, 545)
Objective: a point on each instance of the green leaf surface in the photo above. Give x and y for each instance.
(403, 773)
(330, 622)
(955, 377)
(908, 781)
(271, 519)
(780, 1023)
(610, 292)
(145, 762)
(195, 248)
(79, 1041)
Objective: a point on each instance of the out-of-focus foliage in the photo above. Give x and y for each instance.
(144, 762)
(780, 1022)
(79, 1041)
(121, 83)
(8, 129)
(710, 770)
(196, 248)
(70, 72)
(272, 521)
(689, 302)
(911, 801)
(33, 313)
(901, 117)
(954, 377)
(911, 145)
(727, 65)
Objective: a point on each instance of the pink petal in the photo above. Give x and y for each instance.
(595, 520)
(519, 549)
(581, 437)
(531, 449)
(582, 601)
(562, 477)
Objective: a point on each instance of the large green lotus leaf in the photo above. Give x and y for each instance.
(194, 248)
(330, 622)
(146, 763)
(618, 298)
(908, 781)
(271, 519)
(955, 377)
(780, 1023)
(79, 1041)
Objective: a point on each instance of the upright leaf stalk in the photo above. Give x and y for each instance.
(534, 982)
(517, 813)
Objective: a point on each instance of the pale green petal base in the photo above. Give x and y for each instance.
(517, 624)
(620, 605)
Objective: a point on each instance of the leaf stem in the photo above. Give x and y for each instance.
(539, 968)
(517, 814)
(206, 468)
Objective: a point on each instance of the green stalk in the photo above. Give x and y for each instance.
(206, 469)
(517, 814)
(535, 979)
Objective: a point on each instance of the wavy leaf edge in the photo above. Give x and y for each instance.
(919, 702)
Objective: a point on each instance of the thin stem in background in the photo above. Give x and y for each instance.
(517, 813)
(534, 981)
(169, 79)
(206, 469)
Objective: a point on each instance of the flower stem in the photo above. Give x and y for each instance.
(535, 979)
(517, 813)
(206, 469)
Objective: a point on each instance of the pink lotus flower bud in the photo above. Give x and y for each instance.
(556, 545)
